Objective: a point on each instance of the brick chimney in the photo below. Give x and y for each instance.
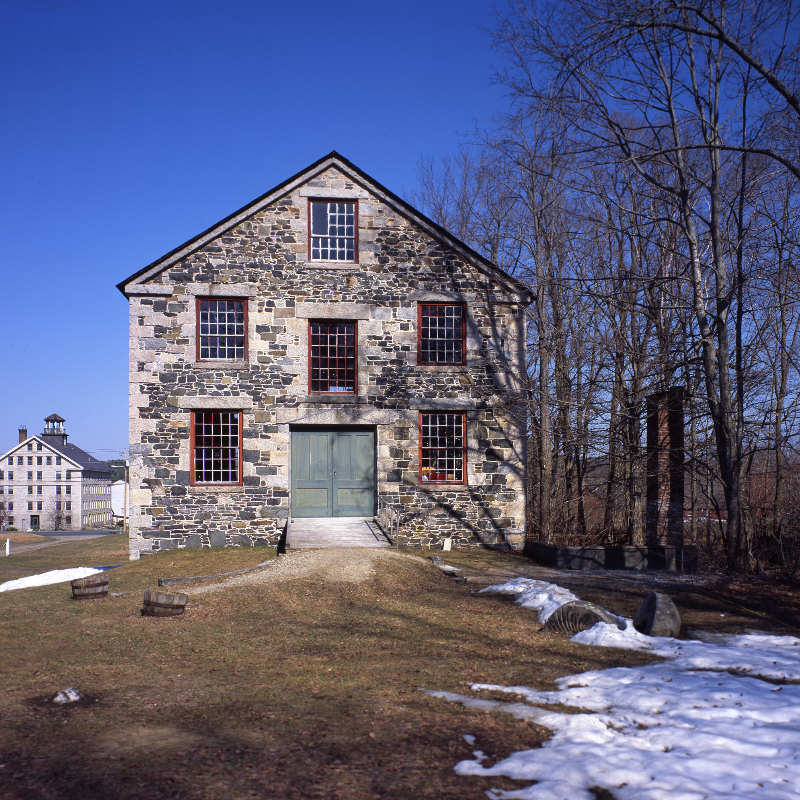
(23, 433)
(665, 468)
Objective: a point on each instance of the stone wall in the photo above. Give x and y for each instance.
(263, 260)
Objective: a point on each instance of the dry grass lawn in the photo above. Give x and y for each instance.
(290, 683)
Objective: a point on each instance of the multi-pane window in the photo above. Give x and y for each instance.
(30, 505)
(216, 443)
(58, 490)
(11, 461)
(68, 506)
(222, 329)
(69, 474)
(441, 333)
(441, 448)
(333, 230)
(39, 460)
(38, 490)
(39, 506)
(30, 475)
(30, 461)
(10, 506)
(30, 490)
(332, 356)
(38, 446)
(49, 461)
(67, 490)
(58, 476)
(39, 475)
(68, 521)
(58, 461)
(30, 445)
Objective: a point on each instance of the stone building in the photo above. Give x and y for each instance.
(47, 483)
(323, 346)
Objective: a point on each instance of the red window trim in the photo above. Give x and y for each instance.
(463, 361)
(355, 227)
(198, 300)
(191, 446)
(463, 481)
(354, 323)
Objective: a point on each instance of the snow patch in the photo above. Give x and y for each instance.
(46, 578)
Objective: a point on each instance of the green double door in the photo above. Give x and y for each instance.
(333, 473)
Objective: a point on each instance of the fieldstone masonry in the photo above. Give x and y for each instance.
(260, 254)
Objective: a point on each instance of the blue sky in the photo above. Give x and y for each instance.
(129, 128)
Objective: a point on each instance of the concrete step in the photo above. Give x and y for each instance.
(318, 532)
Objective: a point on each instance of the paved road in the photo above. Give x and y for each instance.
(51, 538)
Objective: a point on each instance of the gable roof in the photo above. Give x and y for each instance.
(129, 286)
(80, 458)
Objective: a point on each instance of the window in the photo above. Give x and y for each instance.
(30, 460)
(38, 490)
(11, 461)
(58, 476)
(49, 461)
(68, 521)
(39, 461)
(68, 506)
(69, 474)
(58, 490)
(58, 461)
(1, 489)
(1, 474)
(39, 447)
(58, 505)
(10, 488)
(221, 329)
(332, 357)
(30, 475)
(333, 230)
(39, 475)
(441, 448)
(441, 333)
(39, 506)
(20, 460)
(30, 490)
(30, 445)
(10, 506)
(30, 506)
(216, 444)
(67, 490)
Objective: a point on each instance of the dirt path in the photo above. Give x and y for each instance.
(334, 565)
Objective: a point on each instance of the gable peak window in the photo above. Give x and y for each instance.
(442, 333)
(216, 445)
(442, 443)
(332, 357)
(221, 329)
(333, 230)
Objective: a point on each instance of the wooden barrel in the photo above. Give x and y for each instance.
(161, 604)
(92, 588)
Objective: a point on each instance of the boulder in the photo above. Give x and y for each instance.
(579, 615)
(657, 616)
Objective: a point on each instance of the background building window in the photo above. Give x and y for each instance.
(38, 506)
(332, 357)
(216, 443)
(442, 447)
(222, 329)
(39, 460)
(333, 230)
(441, 333)
(58, 461)
(67, 490)
(30, 505)
(68, 506)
